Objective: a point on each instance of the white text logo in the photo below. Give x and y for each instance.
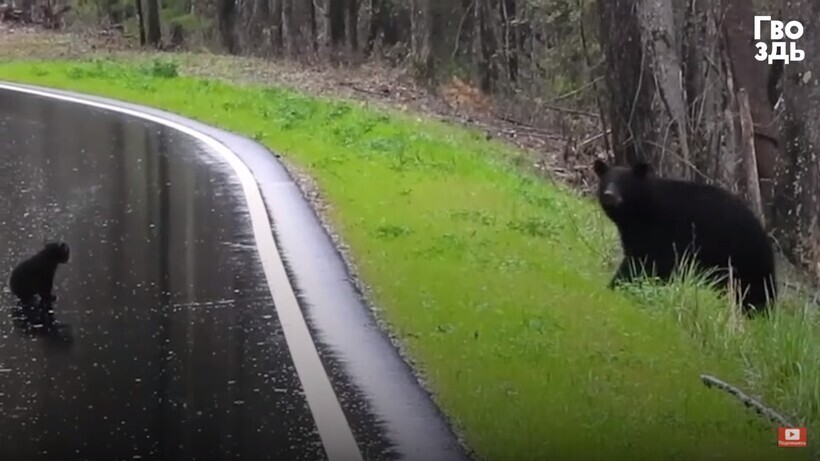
(782, 36)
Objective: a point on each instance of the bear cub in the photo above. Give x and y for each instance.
(660, 220)
(34, 277)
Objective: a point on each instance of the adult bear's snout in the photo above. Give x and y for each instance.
(610, 198)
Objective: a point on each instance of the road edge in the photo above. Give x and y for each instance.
(350, 331)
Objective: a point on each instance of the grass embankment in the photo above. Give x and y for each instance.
(495, 281)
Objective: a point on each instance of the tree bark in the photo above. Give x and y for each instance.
(751, 75)
(312, 32)
(226, 17)
(797, 185)
(140, 21)
(711, 109)
(422, 39)
(353, 25)
(255, 32)
(752, 176)
(378, 19)
(289, 27)
(630, 85)
(299, 22)
(463, 45)
(662, 49)
(154, 34)
(27, 10)
(276, 39)
(336, 23)
(486, 46)
(511, 37)
(667, 80)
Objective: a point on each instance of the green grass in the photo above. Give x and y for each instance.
(495, 282)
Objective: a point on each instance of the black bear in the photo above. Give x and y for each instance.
(35, 276)
(660, 220)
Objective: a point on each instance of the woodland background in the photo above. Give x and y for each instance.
(674, 82)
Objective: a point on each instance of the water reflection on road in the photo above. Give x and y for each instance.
(170, 347)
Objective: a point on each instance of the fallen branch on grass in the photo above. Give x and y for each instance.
(593, 138)
(749, 402)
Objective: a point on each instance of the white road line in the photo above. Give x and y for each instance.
(334, 430)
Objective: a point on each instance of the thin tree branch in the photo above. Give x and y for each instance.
(460, 28)
(749, 402)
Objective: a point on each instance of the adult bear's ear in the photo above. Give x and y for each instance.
(600, 167)
(641, 169)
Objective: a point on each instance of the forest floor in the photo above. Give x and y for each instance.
(554, 152)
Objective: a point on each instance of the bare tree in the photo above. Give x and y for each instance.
(797, 196)
(336, 24)
(226, 18)
(673, 74)
(751, 75)
(510, 37)
(154, 34)
(353, 25)
(422, 38)
(258, 24)
(378, 11)
(140, 21)
(713, 126)
(390, 21)
(631, 88)
(486, 45)
(276, 38)
(27, 10)
(290, 28)
(299, 21)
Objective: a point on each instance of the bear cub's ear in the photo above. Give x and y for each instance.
(600, 167)
(641, 169)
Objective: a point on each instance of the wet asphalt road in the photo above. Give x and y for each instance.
(171, 348)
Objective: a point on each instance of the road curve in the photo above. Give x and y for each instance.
(209, 316)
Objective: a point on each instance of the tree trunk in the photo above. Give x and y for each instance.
(376, 25)
(336, 23)
(662, 53)
(353, 25)
(140, 21)
(649, 109)
(154, 34)
(257, 32)
(288, 26)
(27, 10)
(377, 20)
(797, 186)
(630, 89)
(313, 30)
(486, 46)
(751, 75)
(422, 39)
(465, 36)
(276, 39)
(263, 11)
(226, 17)
(508, 15)
(332, 28)
(389, 23)
(299, 21)
(712, 132)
